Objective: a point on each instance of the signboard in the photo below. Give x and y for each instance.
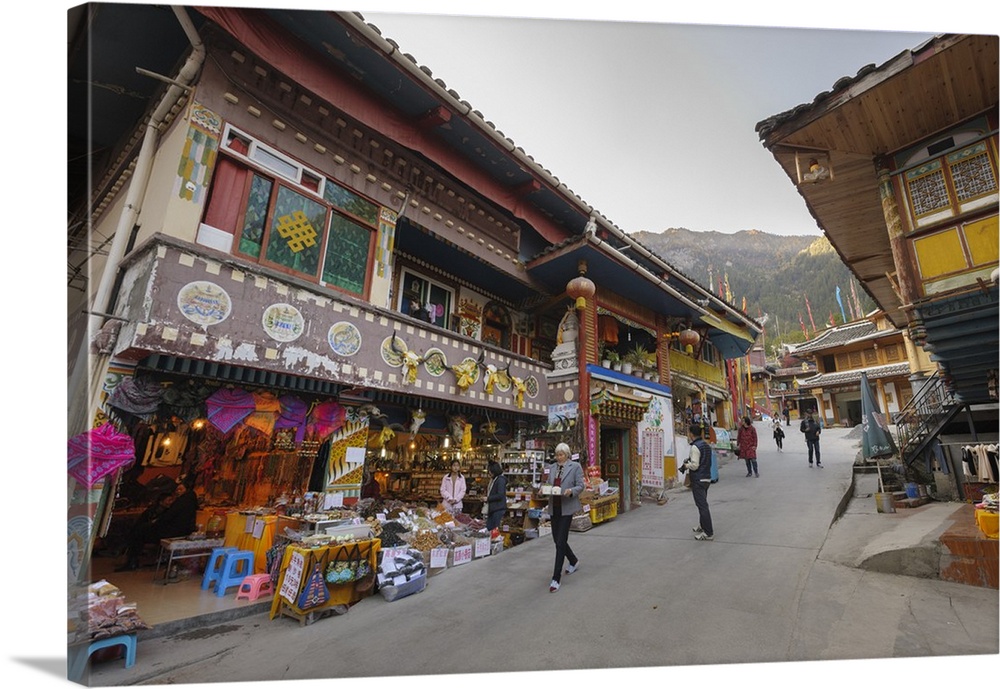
(462, 554)
(293, 577)
(656, 439)
(439, 557)
(482, 547)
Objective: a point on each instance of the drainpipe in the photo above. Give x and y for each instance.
(133, 205)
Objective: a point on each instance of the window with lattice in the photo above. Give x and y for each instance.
(843, 363)
(891, 352)
(855, 359)
(871, 357)
(286, 216)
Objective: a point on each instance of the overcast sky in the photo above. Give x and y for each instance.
(652, 124)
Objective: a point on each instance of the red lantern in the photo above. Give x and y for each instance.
(689, 339)
(580, 288)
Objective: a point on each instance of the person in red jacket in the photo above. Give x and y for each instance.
(746, 446)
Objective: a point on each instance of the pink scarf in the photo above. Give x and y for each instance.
(228, 406)
(98, 452)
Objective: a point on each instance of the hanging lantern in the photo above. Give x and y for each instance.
(581, 287)
(689, 339)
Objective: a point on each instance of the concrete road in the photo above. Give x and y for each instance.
(646, 595)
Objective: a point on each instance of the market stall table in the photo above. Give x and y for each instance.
(182, 548)
(292, 581)
(243, 533)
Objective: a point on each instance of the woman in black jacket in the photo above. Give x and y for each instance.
(496, 496)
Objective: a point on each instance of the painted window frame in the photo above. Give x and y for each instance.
(428, 287)
(284, 174)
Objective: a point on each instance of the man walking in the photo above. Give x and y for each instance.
(699, 463)
(812, 431)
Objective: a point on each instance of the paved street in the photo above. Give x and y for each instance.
(647, 594)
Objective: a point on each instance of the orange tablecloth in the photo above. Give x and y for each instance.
(340, 594)
(987, 522)
(238, 536)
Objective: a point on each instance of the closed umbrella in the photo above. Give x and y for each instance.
(876, 441)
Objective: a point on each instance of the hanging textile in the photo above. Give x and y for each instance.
(607, 329)
(229, 406)
(98, 452)
(293, 415)
(139, 397)
(186, 401)
(266, 410)
(325, 418)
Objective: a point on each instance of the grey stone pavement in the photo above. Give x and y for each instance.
(781, 585)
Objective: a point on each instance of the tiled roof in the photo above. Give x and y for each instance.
(842, 335)
(854, 376)
(765, 127)
(794, 371)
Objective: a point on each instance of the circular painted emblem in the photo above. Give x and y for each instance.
(391, 356)
(531, 386)
(283, 322)
(473, 367)
(204, 303)
(344, 338)
(435, 362)
(503, 381)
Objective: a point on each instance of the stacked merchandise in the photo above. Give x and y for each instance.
(401, 573)
(102, 613)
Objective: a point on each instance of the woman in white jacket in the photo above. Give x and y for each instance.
(453, 488)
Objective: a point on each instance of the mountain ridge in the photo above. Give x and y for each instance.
(775, 273)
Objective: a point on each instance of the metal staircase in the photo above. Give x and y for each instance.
(932, 408)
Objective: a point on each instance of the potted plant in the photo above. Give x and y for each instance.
(614, 359)
(603, 355)
(651, 370)
(634, 359)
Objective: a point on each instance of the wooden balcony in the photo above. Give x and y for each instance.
(686, 365)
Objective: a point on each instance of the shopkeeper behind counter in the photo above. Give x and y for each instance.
(177, 518)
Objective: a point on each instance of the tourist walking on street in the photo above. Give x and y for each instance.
(699, 463)
(785, 413)
(746, 445)
(567, 477)
(812, 431)
(778, 432)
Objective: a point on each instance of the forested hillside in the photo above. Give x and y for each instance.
(775, 274)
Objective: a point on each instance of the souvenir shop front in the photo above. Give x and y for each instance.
(294, 450)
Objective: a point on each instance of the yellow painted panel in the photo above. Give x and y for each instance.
(939, 254)
(981, 236)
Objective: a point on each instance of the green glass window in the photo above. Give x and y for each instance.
(347, 200)
(296, 234)
(252, 235)
(347, 251)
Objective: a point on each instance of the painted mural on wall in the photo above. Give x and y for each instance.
(347, 457)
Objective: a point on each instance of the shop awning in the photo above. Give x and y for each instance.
(733, 341)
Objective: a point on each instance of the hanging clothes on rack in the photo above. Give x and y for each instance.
(979, 462)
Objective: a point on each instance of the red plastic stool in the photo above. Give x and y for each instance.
(255, 586)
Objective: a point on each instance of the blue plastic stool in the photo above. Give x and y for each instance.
(79, 655)
(232, 573)
(213, 570)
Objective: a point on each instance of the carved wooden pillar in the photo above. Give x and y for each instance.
(905, 276)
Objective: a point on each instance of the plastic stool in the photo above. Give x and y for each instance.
(213, 570)
(255, 586)
(79, 655)
(231, 574)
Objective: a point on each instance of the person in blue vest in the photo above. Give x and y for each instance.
(699, 463)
